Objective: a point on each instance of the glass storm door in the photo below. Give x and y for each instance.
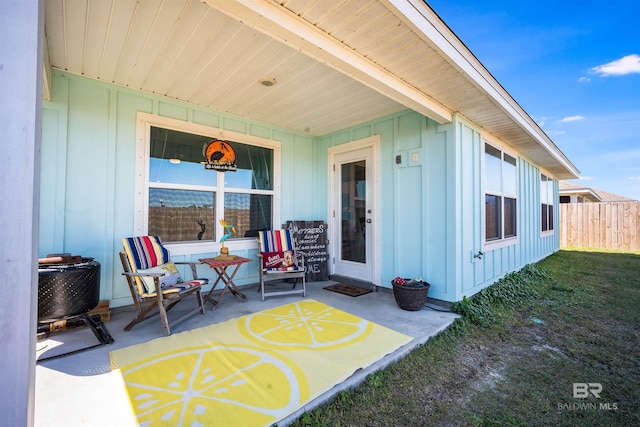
(353, 215)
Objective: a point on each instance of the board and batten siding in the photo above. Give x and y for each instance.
(432, 211)
(475, 273)
(88, 167)
(413, 214)
(431, 215)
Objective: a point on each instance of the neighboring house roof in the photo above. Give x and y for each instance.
(335, 63)
(591, 194)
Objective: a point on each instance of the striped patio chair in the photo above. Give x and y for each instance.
(155, 282)
(280, 261)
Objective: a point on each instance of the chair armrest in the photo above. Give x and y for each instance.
(142, 274)
(191, 264)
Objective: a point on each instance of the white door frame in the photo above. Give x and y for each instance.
(372, 142)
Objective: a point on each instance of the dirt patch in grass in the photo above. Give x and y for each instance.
(516, 364)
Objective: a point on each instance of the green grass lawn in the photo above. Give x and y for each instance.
(516, 354)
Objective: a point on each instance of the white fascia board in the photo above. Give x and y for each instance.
(281, 24)
(427, 24)
(585, 192)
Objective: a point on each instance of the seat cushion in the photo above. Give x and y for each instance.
(283, 269)
(171, 276)
(178, 287)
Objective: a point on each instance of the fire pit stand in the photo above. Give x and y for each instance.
(68, 289)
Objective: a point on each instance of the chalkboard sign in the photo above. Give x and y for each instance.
(311, 237)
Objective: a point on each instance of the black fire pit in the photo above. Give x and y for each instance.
(68, 289)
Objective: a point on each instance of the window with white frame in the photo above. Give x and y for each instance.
(186, 201)
(501, 188)
(546, 203)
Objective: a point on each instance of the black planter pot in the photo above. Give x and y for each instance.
(411, 296)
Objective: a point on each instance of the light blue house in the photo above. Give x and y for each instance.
(457, 184)
(370, 116)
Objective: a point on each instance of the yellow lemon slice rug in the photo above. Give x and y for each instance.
(250, 371)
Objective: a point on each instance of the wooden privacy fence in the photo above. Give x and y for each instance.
(611, 225)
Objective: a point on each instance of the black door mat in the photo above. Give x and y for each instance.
(352, 291)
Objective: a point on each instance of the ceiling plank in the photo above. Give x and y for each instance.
(290, 29)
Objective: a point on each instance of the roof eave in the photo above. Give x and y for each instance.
(584, 192)
(425, 22)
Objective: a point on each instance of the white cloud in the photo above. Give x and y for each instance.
(584, 80)
(627, 65)
(541, 121)
(571, 119)
(634, 178)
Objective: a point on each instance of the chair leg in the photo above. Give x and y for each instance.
(200, 301)
(199, 309)
(163, 314)
(164, 305)
(142, 315)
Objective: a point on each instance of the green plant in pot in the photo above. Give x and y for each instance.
(410, 294)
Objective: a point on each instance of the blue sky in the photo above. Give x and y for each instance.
(574, 66)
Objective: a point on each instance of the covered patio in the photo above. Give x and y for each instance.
(81, 389)
(380, 85)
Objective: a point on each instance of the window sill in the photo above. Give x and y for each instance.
(547, 233)
(498, 244)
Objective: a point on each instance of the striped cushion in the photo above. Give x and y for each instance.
(178, 287)
(145, 252)
(292, 268)
(278, 242)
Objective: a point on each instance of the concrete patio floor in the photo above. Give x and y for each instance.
(80, 389)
